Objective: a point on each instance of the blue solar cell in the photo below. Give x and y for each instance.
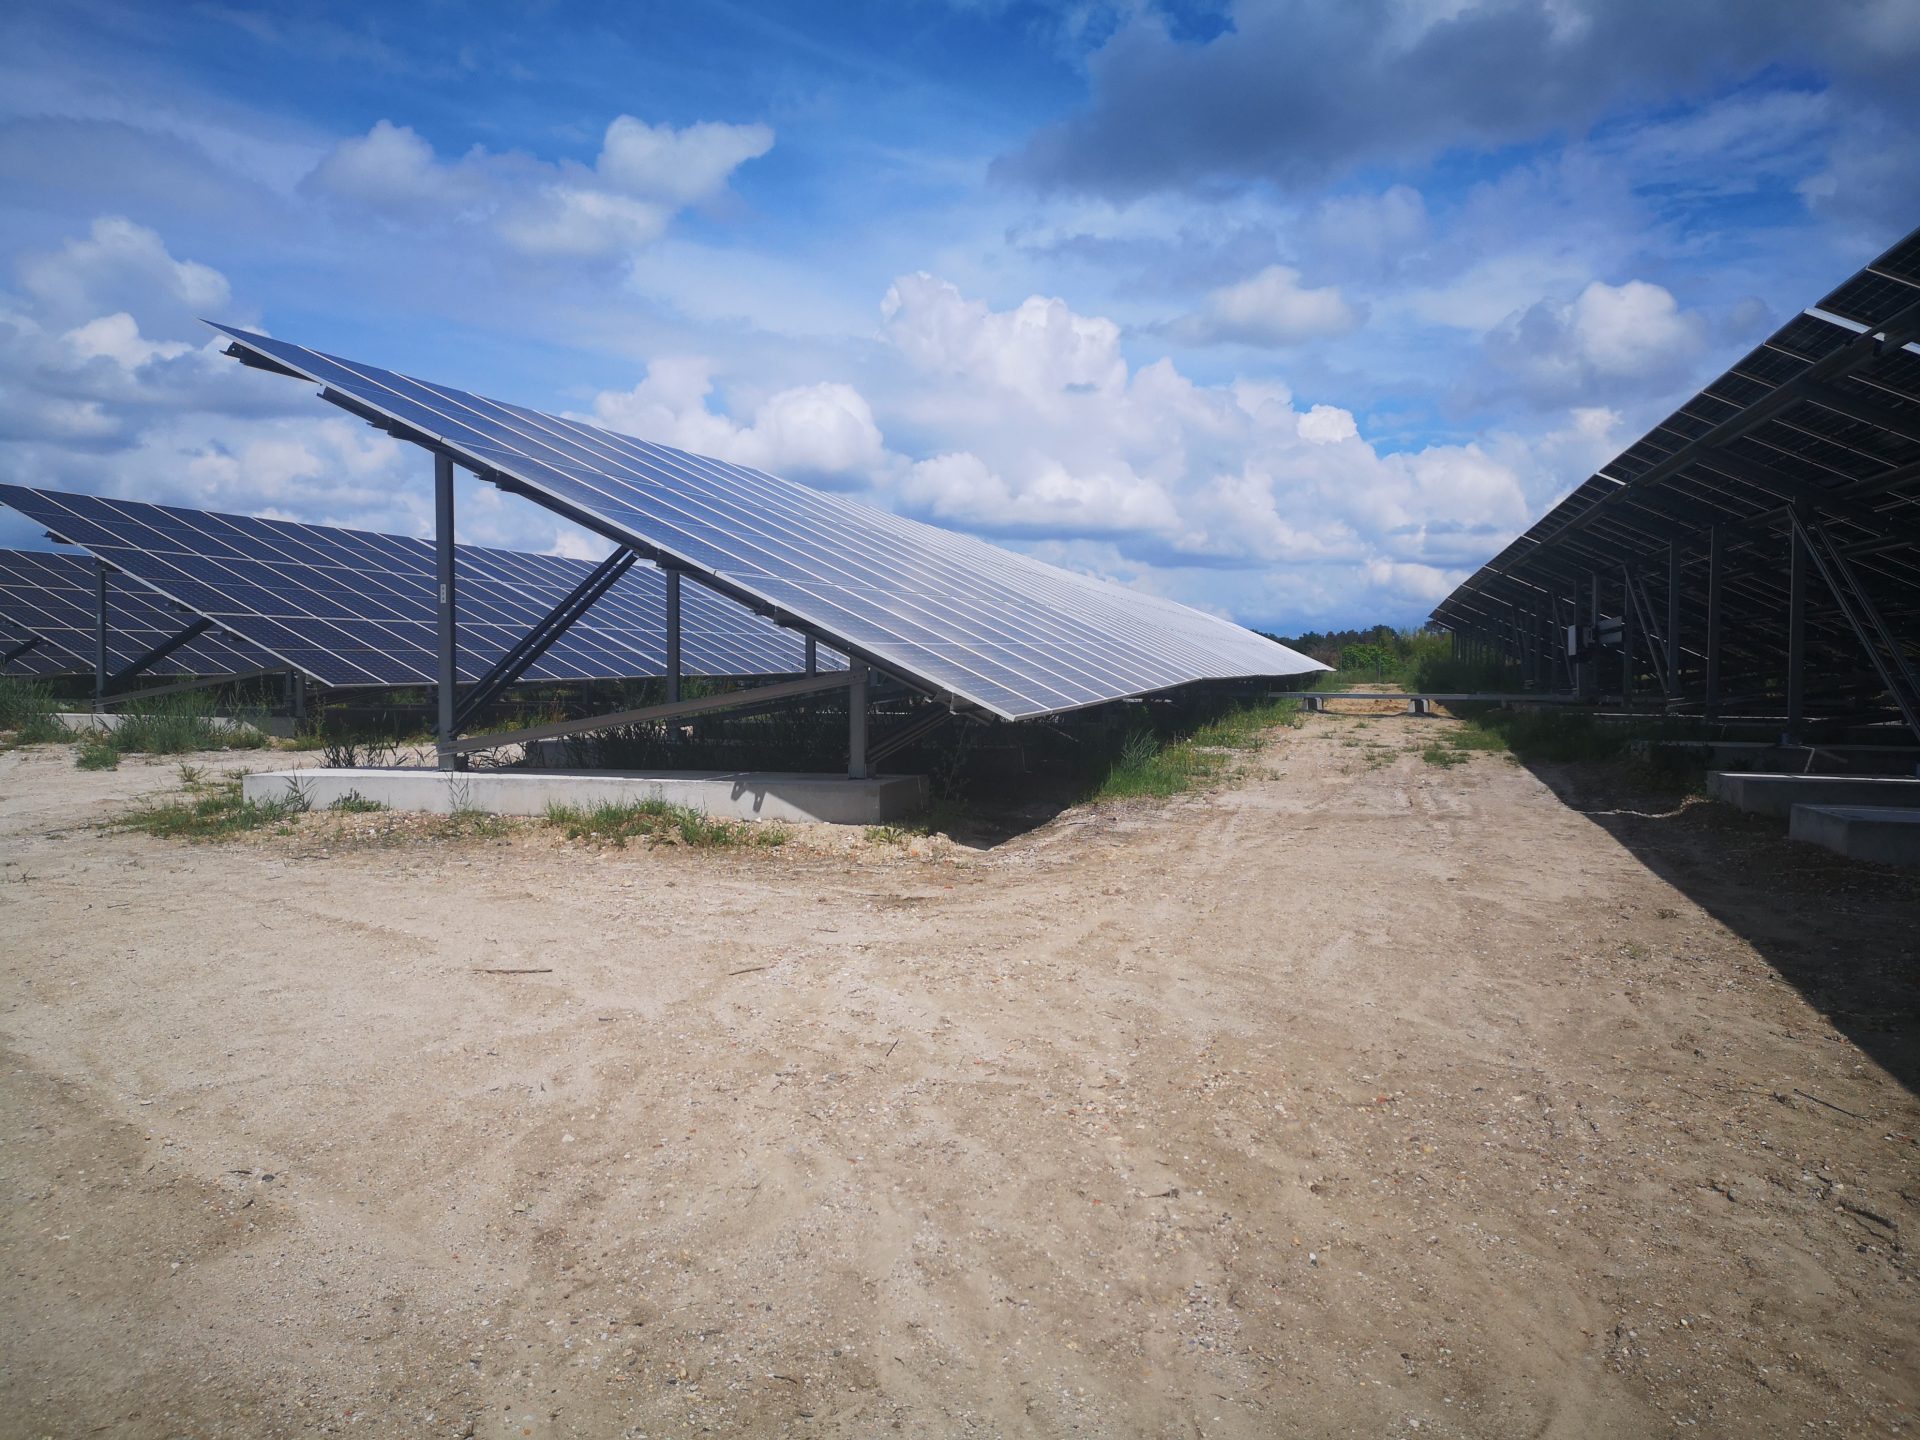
(355, 608)
(955, 615)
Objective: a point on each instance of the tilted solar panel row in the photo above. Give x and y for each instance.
(355, 608)
(1824, 414)
(962, 619)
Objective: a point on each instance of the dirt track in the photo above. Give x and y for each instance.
(1363, 1097)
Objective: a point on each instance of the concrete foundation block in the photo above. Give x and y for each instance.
(79, 722)
(736, 795)
(1776, 795)
(1885, 836)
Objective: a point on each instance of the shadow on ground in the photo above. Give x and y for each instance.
(1844, 933)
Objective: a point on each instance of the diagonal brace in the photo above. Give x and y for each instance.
(159, 652)
(1863, 618)
(673, 710)
(14, 652)
(536, 642)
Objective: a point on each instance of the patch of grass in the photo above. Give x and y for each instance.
(215, 811)
(354, 803)
(469, 823)
(1145, 767)
(885, 835)
(96, 751)
(26, 709)
(178, 724)
(1245, 726)
(1554, 735)
(306, 736)
(1151, 765)
(1440, 755)
(658, 822)
(1474, 736)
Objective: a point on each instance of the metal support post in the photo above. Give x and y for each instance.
(1626, 639)
(1796, 633)
(99, 633)
(856, 719)
(813, 656)
(673, 636)
(1673, 621)
(1588, 686)
(449, 638)
(296, 696)
(1716, 567)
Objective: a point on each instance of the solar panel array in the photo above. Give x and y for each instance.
(1824, 415)
(962, 618)
(48, 596)
(353, 608)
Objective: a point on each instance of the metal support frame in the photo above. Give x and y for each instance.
(910, 733)
(159, 652)
(1673, 621)
(205, 682)
(1716, 567)
(731, 700)
(1626, 638)
(14, 652)
(856, 718)
(1796, 634)
(545, 632)
(1864, 617)
(445, 696)
(296, 695)
(813, 656)
(99, 632)
(673, 636)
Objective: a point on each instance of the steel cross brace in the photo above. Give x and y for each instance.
(14, 652)
(1862, 615)
(537, 641)
(159, 652)
(732, 699)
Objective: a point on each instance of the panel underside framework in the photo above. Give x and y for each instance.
(1811, 443)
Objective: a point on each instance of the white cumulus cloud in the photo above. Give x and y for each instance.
(643, 176)
(1608, 341)
(1270, 308)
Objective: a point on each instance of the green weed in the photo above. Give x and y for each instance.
(657, 822)
(96, 751)
(27, 708)
(179, 724)
(1440, 755)
(354, 803)
(216, 811)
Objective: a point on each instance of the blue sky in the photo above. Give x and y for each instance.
(1292, 311)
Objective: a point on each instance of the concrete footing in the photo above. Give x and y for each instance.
(1751, 756)
(737, 795)
(1885, 836)
(1777, 795)
(78, 722)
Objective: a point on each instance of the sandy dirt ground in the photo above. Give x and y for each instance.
(1358, 1097)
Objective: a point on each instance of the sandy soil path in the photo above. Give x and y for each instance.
(1361, 1097)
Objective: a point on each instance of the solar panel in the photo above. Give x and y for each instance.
(354, 608)
(960, 618)
(48, 597)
